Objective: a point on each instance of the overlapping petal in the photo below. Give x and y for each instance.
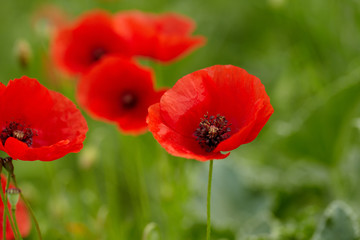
(225, 90)
(76, 48)
(57, 126)
(120, 91)
(164, 37)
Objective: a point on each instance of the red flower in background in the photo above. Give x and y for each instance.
(120, 91)
(37, 123)
(78, 47)
(22, 216)
(209, 111)
(163, 37)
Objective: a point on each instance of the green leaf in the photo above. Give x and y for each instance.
(338, 223)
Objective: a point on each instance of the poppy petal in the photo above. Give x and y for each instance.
(120, 91)
(185, 104)
(76, 48)
(49, 124)
(175, 143)
(214, 109)
(164, 37)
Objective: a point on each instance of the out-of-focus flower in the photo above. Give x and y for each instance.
(209, 111)
(120, 91)
(48, 18)
(22, 216)
(23, 52)
(164, 37)
(76, 48)
(37, 123)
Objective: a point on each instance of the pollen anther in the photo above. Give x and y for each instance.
(18, 131)
(211, 131)
(19, 134)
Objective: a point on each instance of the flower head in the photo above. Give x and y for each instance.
(209, 111)
(120, 91)
(22, 216)
(37, 123)
(78, 47)
(163, 37)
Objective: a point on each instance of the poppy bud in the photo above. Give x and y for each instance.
(7, 163)
(13, 196)
(23, 53)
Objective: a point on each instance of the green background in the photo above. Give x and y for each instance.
(305, 52)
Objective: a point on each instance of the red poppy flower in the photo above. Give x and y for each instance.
(119, 91)
(163, 37)
(22, 216)
(76, 48)
(38, 124)
(209, 111)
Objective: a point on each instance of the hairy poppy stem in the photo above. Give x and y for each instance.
(6, 211)
(29, 208)
(208, 226)
(13, 210)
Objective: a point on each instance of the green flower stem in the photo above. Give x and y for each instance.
(143, 195)
(13, 210)
(6, 211)
(208, 226)
(30, 209)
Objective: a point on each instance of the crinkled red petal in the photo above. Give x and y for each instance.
(174, 24)
(250, 131)
(186, 102)
(163, 37)
(176, 143)
(138, 29)
(135, 124)
(2, 87)
(57, 125)
(172, 47)
(73, 47)
(226, 90)
(100, 93)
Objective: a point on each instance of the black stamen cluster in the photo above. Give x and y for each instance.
(129, 100)
(18, 131)
(211, 131)
(97, 54)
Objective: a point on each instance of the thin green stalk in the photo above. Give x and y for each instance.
(13, 210)
(208, 226)
(143, 195)
(30, 209)
(6, 211)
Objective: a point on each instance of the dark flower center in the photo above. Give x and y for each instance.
(211, 131)
(18, 131)
(97, 53)
(129, 100)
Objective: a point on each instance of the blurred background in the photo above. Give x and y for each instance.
(298, 180)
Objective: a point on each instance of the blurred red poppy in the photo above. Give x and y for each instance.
(79, 46)
(120, 91)
(163, 37)
(209, 111)
(22, 216)
(37, 123)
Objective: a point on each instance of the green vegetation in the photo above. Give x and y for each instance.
(298, 180)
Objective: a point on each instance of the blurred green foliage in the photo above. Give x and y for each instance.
(307, 54)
